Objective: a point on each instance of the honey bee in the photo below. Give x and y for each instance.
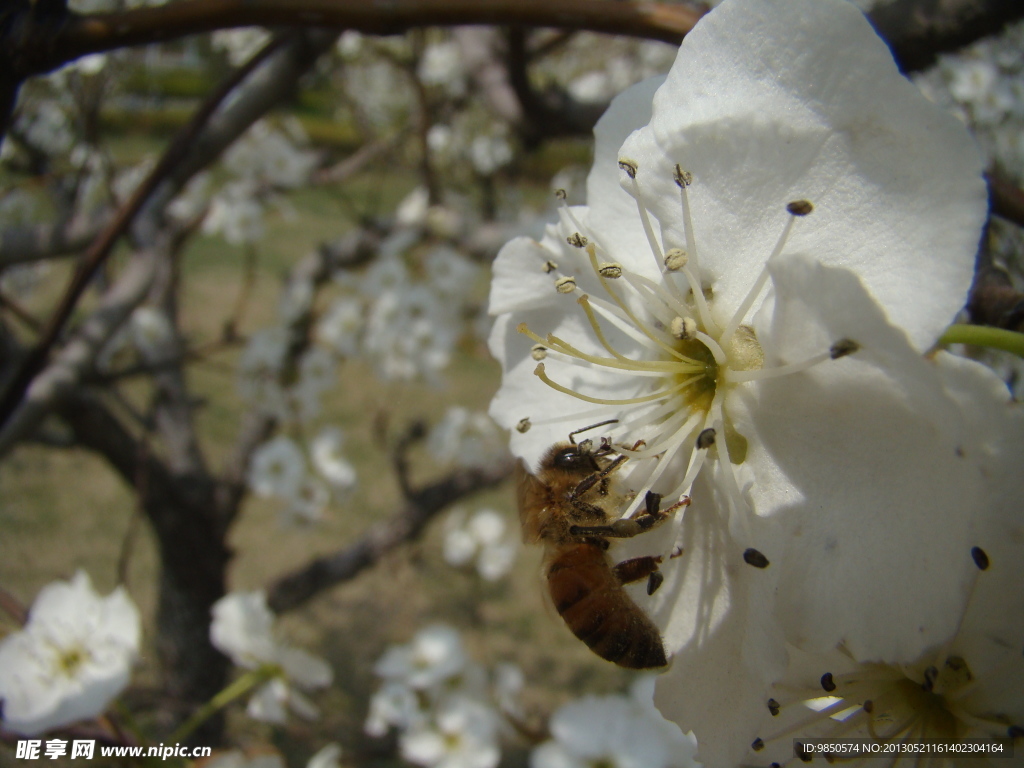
(563, 506)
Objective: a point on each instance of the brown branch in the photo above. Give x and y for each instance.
(919, 30)
(82, 35)
(1007, 199)
(296, 588)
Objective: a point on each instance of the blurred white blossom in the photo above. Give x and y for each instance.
(467, 438)
(278, 468)
(243, 629)
(481, 540)
(329, 460)
(71, 659)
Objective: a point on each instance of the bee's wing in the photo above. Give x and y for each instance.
(532, 497)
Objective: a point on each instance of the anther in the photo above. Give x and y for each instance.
(827, 683)
(753, 557)
(611, 270)
(523, 425)
(565, 284)
(682, 178)
(930, 675)
(800, 749)
(842, 348)
(980, 558)
(683, 328)
(799, 207)
(549, 266)
(675, 259)
(758, 744)
(868, 706)
(585, 446)
(560, 194)
(774, 707)
(629, 167)
(576, 240)
(706, 439)
(538, 352)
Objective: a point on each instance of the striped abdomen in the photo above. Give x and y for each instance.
(597, 609)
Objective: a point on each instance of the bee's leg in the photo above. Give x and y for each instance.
(629, 571)
(593, 479)
(652, 516)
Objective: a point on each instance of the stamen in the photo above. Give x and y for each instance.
(683, 328)
(675, 259)
(539, 372)
(523, 425)
(755, 558)
(538, 352)
(762, 278)
(669, 301)
(645, 220)
(780, 370)
(642, 327)
(584, 301)
(576, 240)
(670, 434)
(565, 284)
(610, 270)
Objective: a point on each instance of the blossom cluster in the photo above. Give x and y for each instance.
(279, 469)
(746, 310)
(446, 708)
(481, 540)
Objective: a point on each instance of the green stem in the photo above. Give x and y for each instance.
(984, 336)
(239, 687)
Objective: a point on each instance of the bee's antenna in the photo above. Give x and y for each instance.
(592, 426)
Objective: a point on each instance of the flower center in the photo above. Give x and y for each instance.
(687, 361)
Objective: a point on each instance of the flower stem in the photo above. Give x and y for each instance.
(984, 336)
(239, 687)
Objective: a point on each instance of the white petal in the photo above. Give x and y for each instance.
(771, 102)
(868, 463)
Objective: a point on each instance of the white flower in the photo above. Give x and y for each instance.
(489, 153)
(796, 225)
(466, 438)
(434, 655)
(328, 757)
(152, 334)
(342, 325)
(482, 540)
(394, 705)
(71, 659)
(968, 687)
(266, 155)
(463, 734)
(329, 460)
(441, 65)
(243, 629)
(278, 468)
(613, 731)
(236, 214)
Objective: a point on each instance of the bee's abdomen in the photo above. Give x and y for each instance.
(597, 609)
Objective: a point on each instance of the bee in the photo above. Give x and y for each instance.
(563, 506)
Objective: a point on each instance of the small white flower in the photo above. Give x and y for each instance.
(278, 468)
(243, 629)
(236, 213)
(490, 153)
(395, 705)
(71, 659)
(434, 655)
(342, 325)
(463, 734)
(328, 757)
(330, 461)
(441, 65)
(613, 731)
(483, 540)
(152, 333)
(466, 439)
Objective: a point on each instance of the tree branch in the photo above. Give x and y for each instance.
(294, 589)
